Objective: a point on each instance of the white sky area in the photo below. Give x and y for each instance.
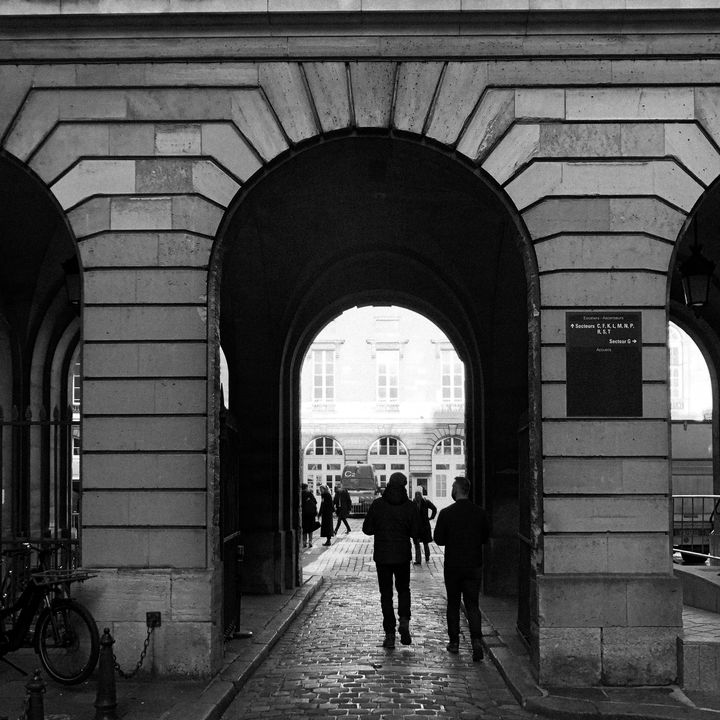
(690, 386)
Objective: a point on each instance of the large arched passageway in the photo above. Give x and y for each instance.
(375, 219)
(39, 349)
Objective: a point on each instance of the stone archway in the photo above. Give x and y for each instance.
(361, 218)
(145, 158)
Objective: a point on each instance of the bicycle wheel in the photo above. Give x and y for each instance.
(67, 640)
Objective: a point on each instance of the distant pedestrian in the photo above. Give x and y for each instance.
(393, 520)
(424, 506)
(308, 506)
(343, 507)
(463, 529)
(325, 513)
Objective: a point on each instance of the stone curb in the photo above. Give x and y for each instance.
(519, 678)
(571, 708)
(223, 688)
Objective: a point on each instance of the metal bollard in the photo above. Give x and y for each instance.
(106, 698)
(34, 705)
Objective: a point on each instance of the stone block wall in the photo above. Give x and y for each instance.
(601, 170)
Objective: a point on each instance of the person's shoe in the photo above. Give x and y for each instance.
(347, 532)
(326, 543)
(477, 650)
(417, 562)
(304, 544)
(309, 544)
(389, 641)
(453, 647)
(405, 638)
(427, 558)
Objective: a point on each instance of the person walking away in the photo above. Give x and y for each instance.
(308, 506)
(463, 529)
(424, 506)
(393, 521)
(343, 507)
(325, 513)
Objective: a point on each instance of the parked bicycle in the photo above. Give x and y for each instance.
(38, 611)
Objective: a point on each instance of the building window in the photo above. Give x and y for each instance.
(675, 369)
(323, 377)
(689, 378)
(441, 485)
(76, 389)
(323, 463)
(324, 446)
(452, 380)
(388, 446)
(388, 452)
(388, 378)
(448, 463)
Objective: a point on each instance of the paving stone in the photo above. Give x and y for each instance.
(330, 662)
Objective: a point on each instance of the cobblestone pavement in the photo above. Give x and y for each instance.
(330, 663)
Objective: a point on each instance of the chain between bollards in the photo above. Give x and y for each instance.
(138, 665)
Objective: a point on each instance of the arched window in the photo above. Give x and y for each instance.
(75, 398)
(324, 459)
(388, 455)
(224, 379)
(691, 408)
(448, 461)
(690, 386)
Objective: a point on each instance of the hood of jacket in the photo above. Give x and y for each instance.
(395, 494)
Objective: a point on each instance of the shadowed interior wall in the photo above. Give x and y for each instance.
(343, 222)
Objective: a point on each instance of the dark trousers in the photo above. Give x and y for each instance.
(342, 520)
(465, 582)
(418, 556)
(400, 572)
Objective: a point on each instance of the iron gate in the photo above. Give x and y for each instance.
(40, 475)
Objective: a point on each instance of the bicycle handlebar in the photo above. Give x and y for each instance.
(38, 546)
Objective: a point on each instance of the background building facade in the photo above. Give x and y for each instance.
(384, 385)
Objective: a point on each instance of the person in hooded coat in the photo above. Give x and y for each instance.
(394, 521)
(325, 513)
(424, 505)
(308, 503)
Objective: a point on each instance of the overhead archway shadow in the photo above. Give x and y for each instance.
(39, 337)
(361, 220)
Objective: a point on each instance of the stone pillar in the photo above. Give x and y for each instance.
(603, 225)
(144, 220)
(147, 530)
(609, 607)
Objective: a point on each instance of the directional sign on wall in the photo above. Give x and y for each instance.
(604, 364)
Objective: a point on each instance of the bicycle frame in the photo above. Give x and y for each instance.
(25, 609)
(42, 588)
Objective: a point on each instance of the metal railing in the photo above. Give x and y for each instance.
(38, 472)
(696, 527)
(359, 509)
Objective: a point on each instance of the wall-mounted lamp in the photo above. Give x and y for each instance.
(696, 274)
(72, 280)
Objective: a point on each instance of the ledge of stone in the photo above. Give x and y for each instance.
(323, 7)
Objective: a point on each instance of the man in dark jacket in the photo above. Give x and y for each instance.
(343, 507)
(393, 520)
(463, 529)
